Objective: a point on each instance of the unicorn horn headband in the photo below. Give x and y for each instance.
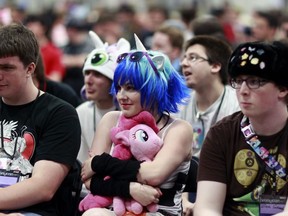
(158, 61)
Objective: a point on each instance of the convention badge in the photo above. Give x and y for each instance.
(8, 178)
(11, 172)
(271, 204)
(198, 135)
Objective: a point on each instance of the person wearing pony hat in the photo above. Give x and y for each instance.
(244, 156)
(98, 73)
(144, 80)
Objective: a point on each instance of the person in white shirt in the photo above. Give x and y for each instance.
(98, 73)
(204, 68)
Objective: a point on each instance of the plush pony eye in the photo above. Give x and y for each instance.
(99, 59)
(141, 135)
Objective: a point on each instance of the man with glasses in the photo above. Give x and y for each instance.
(204, 69)
(243, 163)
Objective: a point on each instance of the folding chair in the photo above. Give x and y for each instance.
(70, 192)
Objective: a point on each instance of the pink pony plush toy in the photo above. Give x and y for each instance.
(144, 144)
(135, 136)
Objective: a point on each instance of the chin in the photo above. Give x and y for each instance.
(129, 114)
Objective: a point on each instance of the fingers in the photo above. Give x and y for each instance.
(156, 200)
(159, 192)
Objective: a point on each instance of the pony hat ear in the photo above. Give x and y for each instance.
(123, 45)
(139, 45)
(158, 61)
(96, 40)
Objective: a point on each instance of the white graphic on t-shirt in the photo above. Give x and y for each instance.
(13, 146)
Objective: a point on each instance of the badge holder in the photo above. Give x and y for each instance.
(8, 178)
(271, 204)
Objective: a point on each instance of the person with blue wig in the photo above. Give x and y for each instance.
(144, 81)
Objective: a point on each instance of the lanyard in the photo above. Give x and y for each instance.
(272, 165)
(214, 118)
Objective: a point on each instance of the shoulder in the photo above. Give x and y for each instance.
(235, 117)
(85, 106)
(50, 103)
(63, 91)
(111, 117)
(229, 122)
(179, 127)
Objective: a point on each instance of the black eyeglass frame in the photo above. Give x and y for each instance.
(195, 58)
(251, 82)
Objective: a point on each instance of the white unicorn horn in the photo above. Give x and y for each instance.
(96, 40)
(139, 45)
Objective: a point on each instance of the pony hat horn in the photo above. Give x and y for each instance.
(139, 45)
(96, 40)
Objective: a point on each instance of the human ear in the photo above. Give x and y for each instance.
(215, 67)
(283, 92)
(30, 69)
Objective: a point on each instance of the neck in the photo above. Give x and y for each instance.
(270, 124)
(162, 120)
(207, 96)
(22, 98)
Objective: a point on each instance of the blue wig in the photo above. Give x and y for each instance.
(163, 91)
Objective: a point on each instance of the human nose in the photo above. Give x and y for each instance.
(184, 61)
(243, 87)
(88, 78)
(121, 94)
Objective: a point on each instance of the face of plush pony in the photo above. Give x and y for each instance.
(143, 142)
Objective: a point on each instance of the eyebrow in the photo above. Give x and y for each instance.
(7, 65)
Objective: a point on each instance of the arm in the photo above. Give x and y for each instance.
(176, 149)
(102, 142)
(156, 171)
(46, 179)
(144, 194)
(187, 205)
(208, 203)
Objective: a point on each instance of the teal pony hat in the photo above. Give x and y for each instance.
(261, 59)
(103, 58)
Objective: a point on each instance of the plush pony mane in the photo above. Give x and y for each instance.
(163, 91)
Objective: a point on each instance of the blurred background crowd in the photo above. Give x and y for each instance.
(62, 26)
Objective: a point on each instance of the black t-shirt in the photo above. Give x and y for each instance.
(51, 130)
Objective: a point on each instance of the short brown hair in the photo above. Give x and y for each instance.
(175, 35)
(216, 50)
(17, 40)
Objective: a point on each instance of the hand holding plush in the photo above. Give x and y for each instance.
(136, 135)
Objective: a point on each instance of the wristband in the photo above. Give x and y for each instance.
(109, 187)
(107, 165)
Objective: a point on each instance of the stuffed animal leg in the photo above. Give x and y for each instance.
(94, 201)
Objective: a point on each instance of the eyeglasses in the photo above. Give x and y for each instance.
(193, 58)
(136, 56)
(251, 82)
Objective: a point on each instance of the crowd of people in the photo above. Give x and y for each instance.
(167, 117)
